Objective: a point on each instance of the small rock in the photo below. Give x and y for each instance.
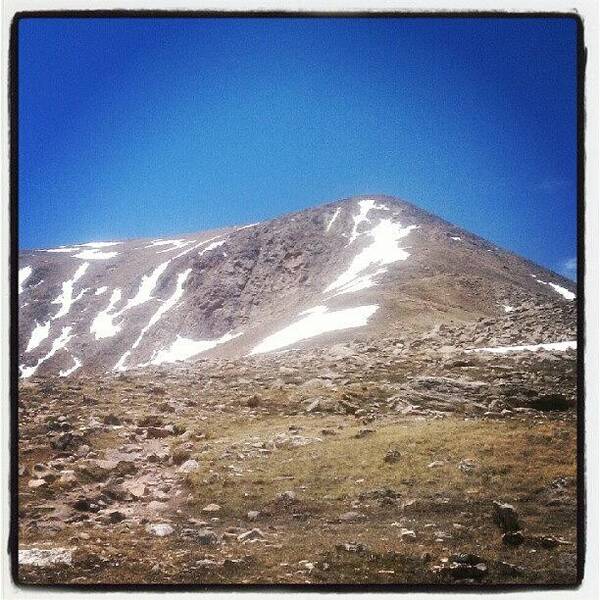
(356, 547)
(136, 489)
(155, 506)
(189, 466)
(467, 465)
(116, 516)
(40, 557)
(286, 497)
(253, 534)
(67, 479)
(362, 433)
(392, 456)
(160, 529)
(407, 535)
(512, 538)
(313, 405)
(253, 401)
(206, 537)
(36, 483)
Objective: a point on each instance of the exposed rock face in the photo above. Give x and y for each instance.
(352, 269)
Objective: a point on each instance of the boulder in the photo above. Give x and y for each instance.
(506, 517)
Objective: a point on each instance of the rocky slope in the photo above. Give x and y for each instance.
(351, 270)
(380, 461)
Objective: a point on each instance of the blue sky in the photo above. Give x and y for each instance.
(152, 127)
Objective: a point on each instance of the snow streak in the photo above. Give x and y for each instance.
(66, 299)
(383, 250)
(58, 344)
(317, 321)
(332, 220)
(184, 348)
(24, 274)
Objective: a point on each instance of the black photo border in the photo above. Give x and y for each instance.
(13, 541)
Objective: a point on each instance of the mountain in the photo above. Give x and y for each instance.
(361, 268)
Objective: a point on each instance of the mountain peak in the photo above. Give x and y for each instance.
(358, 268)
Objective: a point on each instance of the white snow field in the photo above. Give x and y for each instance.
(558, 346)
(564, 292)
(38, 335)
(317, 321)
(383, 250)
(58, 344)
(102, 326)
(365, 207)
(184, 348)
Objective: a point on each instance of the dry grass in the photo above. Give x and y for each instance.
(510, 460)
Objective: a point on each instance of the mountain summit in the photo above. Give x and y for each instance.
(357, 269)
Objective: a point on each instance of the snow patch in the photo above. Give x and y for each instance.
(95, 254)
(456, 238)
(184, 348)
(507, 308)
(58, 344)
(67, 372)
(360, 283)
(38, 335)
(102, 326)
(198, 245)
(332, 220)
(175, 245)
(317, 321)
(384, 250)
(147, 284)
(564, 292)
(559, 346)
(365, 206)
(66, 299)
(211, 247)
(24, 274)
(100, 290)
(162, 309)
